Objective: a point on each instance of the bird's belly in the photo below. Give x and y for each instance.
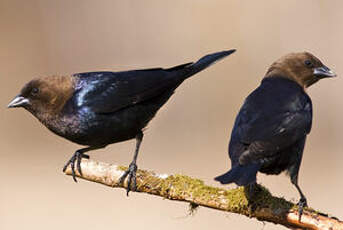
(96, 129)
(104, 129)
(277, 163)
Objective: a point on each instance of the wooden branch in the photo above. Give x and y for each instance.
(265, 207)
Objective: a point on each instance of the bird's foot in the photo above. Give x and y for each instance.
(251, 190)
(76, 157)
(131, 180)
(302, 204)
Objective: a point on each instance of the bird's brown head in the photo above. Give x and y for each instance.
(304, 68)
(44, 95)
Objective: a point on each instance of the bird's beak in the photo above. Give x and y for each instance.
(18, 101)
(323, 72)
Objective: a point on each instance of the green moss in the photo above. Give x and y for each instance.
(182, 187)
(264, 199)
(179, 186)
(236, 199)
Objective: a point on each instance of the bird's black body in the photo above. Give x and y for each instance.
(100, 108)
(126, 103)
(109, 107)
(269, 132)
(271, 127)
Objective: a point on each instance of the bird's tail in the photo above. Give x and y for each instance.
(206, 61)
(189, 69)
(241, 175)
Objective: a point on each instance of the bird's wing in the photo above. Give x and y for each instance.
(272, 119)
(107, 92)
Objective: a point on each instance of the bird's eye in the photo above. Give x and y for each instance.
(309, 64)
(34, 91)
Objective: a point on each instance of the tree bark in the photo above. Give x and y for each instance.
(264, 206)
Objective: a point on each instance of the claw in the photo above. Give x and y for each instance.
(134, 185)
(78, 164)
(302, 203)
(131, 180)
(128, 185)
(66, 166)
(76, 157)
(72, 165)
(123, 177)
(79, 158)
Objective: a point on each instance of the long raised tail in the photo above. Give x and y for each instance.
(208, 60)
(240, 175)
(191, 68)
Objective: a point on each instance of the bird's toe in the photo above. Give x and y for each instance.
(130, 173)
(301, 204)
(77, 157)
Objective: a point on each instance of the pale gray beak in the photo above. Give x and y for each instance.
(18, 101)
(323, 72)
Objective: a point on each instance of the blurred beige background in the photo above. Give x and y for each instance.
(190, 133)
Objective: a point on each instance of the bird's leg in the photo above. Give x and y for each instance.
(77, 157)
(251, 191)
(131, 171)
(303, 201)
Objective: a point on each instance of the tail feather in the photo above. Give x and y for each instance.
(240, 175)
(206, 61)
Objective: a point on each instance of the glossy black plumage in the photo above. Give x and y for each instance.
(115, 106)
(270, 129)
(96, 109)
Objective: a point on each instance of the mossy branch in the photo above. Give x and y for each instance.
(265, 207)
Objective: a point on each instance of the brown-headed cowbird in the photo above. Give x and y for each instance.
(96, 109)
(270, 129)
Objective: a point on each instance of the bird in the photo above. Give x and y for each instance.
(271, 127)
(95, 109)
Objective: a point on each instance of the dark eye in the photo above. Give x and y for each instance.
(309, 64)
(34, 91)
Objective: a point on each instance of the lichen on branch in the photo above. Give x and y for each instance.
(264, 206)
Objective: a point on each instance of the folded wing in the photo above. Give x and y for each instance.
(271, 119)
(107, 92)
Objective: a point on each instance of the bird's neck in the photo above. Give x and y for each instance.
(58, 123)
(274, 71)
